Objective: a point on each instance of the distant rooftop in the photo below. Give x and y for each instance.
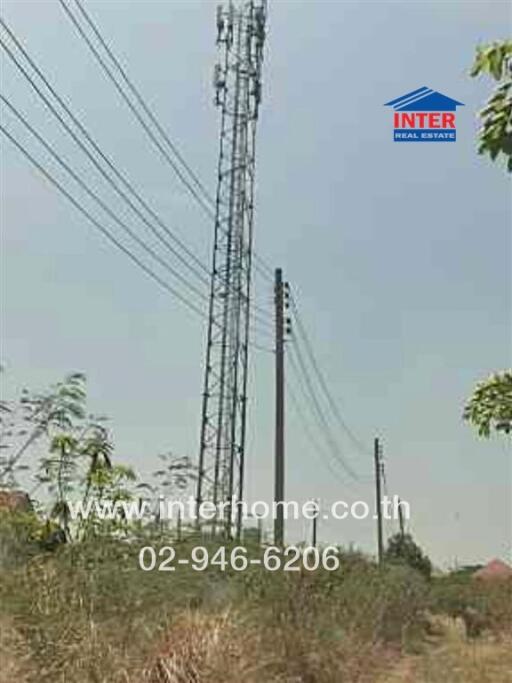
(494, 570)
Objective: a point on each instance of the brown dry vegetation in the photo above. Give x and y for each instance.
(88, 614)
(455, 659)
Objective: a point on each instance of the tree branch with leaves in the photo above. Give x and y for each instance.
(490, 407)
(495, 135)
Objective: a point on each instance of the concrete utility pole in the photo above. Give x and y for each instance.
(378, 471)
(279, 426)
(315, 529)
(401, 518)
(178, 526)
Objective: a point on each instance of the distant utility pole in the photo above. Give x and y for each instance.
(178, 526)
(401, 518)
(279, 426)
(315, 529)
(377, 452)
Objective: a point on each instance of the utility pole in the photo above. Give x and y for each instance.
(279, 426)
(315, 529)
(378, 471)
(178, 526)
(401, 518)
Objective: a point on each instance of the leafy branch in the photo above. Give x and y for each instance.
(490, 407)
(495, 135)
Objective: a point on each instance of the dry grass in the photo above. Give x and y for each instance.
(226, 648)
(89, 615)
(201, 648)
(14, 654)
(455, 659)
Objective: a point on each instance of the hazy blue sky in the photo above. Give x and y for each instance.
(400, 254)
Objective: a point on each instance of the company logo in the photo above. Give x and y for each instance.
(424, 115)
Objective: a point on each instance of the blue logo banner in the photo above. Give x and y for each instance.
(424, 135)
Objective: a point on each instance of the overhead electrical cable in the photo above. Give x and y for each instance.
(102, 204)
(144, 104)
(301, 368)
(260, 264)
(260, 347)
(99, 226)
(108, 71)
(201, 275)
(314, 363)
(207, 203)
(110, 164)
(318, 448)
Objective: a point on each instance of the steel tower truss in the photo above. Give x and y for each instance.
(237, 83)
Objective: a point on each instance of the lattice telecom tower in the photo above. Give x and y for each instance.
(237, 82)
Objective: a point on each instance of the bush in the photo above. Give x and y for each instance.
(403, 550)
(451, 595)
(19, 533)
(87, 613)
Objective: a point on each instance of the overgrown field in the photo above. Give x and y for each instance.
(86, 613)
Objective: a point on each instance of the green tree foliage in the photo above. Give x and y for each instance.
(112, 483)
(403, 550)
(495, 136)
(68, 453)
(71, 447)
(490, 407)
(36, 416)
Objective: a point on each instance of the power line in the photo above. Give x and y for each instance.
(107, 233)
(98, 150)
(143, 103)
(260, 347)
(261, 266)
(264, 320)
(206, 208)
(302, 370)
(264, 331)
(201, 295)
(332, 403)
(317, 446)
(165, 285)
(97, 224)
(263, 310)
(117, 173)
